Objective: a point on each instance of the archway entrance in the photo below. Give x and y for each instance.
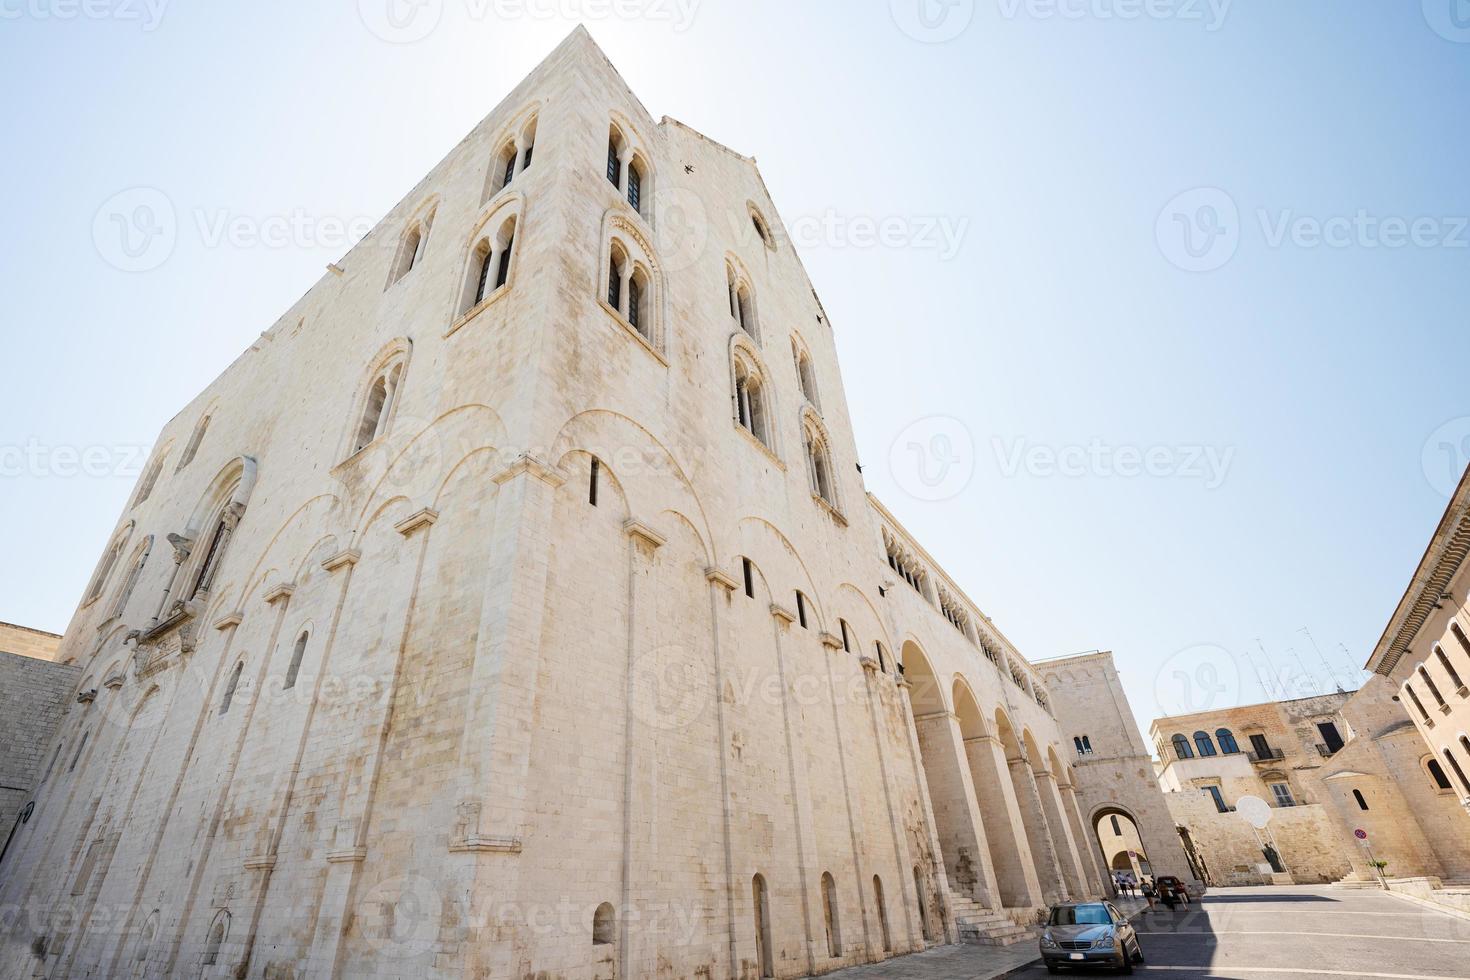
(947, 773)
(1120, 843)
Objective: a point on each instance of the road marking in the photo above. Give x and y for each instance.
(1222, 970)
(1279, 932)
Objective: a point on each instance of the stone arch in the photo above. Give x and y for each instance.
(1053, 812)
(1010, 858)
(1024, 786)
(1113, 847)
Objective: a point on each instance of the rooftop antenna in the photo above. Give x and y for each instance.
(1259, 678)
(1299, 661)
(1330, 672)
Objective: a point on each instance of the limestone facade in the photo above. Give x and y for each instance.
(1113, 770)
(514, 606)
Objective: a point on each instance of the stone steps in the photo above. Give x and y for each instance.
(976, 924)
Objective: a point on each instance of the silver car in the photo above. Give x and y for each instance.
(1089, 934)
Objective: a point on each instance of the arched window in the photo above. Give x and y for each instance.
(604, 925)
(1362, 803)
(135, 571)
(1429, 683)
(512, 157)
(830, 915)
(1226, 738)
(1444, 662)
(632, 294)
(230, 686)
(192, 446)
(1413, 697)
(294, 669)
(1203, 744)
(77, 756)
(628, 169)
(819, 464)
(1436, 773)
(491, 263)
(150, 477)
(219, 931)
(1460, 637)
(145, 938)
(742, 300)
(761, 907)
(750, 397)
(804, 374)
(104, 570)
(923, 906)
(882, 913)
(762, 230)
(382, 399)
(1459, 773)
(412, 244)
(219, 539)
(1181, 747)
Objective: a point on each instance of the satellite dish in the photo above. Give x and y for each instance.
(1256, 811)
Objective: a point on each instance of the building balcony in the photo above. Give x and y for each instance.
(1270, 755)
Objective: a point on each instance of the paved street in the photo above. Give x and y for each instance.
(1293, 933)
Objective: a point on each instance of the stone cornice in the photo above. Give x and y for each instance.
(786, 616)
(282, 590)
(527, 464)
(637, 529)
(233, 619)
(417, 520)
(342, 559)
(831, 641)
(717, 577)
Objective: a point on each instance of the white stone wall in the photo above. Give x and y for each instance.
(514, 705)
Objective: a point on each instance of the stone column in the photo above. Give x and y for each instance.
(941, 884)
(900, 844)
(1086, 846)
(806, 838)
(1061, 833)
(1015, 869)
(957, 815)
(1043, 850)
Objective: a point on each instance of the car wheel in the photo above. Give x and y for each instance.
(1051, 968)
(1137, 953)
(1127, 966)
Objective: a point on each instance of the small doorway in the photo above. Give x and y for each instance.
(762, 908)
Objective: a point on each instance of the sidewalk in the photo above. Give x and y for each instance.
(962, 962)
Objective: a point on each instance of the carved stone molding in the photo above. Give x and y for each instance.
(169, 641)
(342, 559)
(468, 839)
(282, 590)
(785, 615)
(719, 578)
(416, 521)
(831, 641)
(639, 530)
(233, 619)
(527, 464)
(868, 663)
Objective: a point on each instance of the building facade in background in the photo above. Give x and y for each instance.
(33, 691)
(514, 606)
(1125, 814)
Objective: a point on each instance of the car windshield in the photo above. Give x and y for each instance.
(1080, 915)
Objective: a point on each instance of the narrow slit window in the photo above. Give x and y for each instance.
(503, 273)
(614, 165)
(749, 572)
(592, 482)
(801, 610)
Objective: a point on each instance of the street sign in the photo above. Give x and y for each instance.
(1360, 834)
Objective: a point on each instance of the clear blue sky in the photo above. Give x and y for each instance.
(1051, 139)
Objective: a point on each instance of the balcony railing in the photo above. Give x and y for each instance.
(1326, 751)
(1269, 755)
